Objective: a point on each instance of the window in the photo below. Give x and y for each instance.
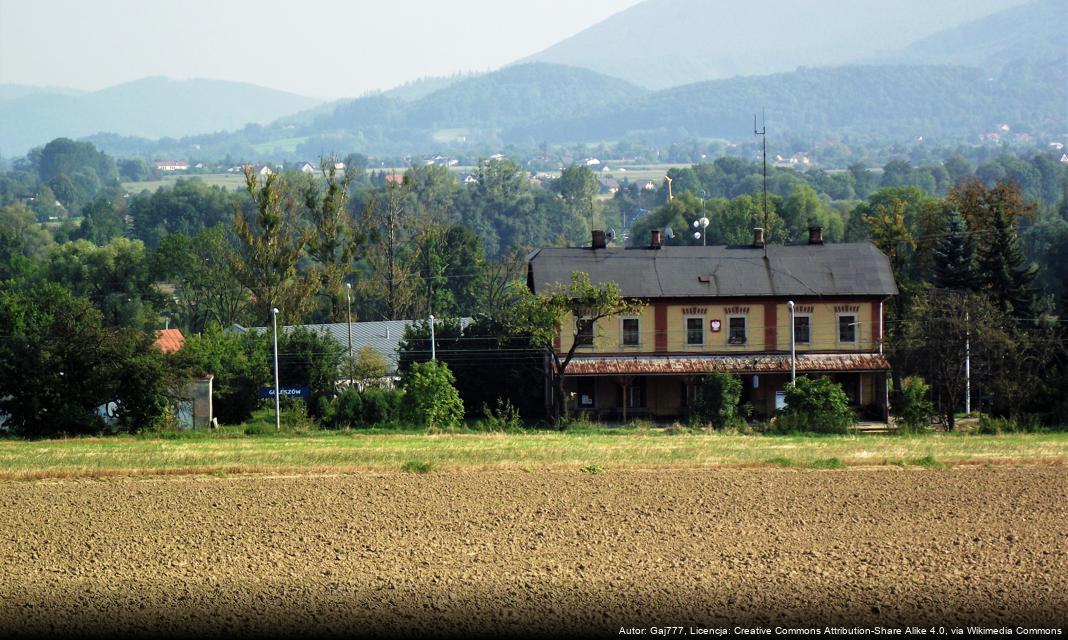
(584, 332)
(847, 328)
(631, 334)
(586, 393)
(736, 330)
(695, 331)
(802, 329)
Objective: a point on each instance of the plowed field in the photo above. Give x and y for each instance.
(513, 552)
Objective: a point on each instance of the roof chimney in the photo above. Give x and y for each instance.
(654, 242)
(815, 235)
(599, 241)
(758, 237)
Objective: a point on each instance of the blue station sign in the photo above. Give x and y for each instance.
(286, 392)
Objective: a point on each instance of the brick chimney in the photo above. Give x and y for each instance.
(599, 241)
(654, 242)
(815, 235)
(758, 237)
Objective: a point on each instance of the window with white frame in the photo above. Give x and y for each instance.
(736, 330)
(695, 331)
(803, 329)
(847, 328)
(631, 330)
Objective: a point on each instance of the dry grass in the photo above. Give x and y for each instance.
(353, 452)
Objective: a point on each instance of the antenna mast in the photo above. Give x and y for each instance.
(763, 133)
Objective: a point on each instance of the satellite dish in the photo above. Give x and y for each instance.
(668, 233)
(696, 235)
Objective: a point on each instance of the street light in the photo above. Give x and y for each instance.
(433, 349)
(277, 400)
(348, 318)
(701, 224)
(793, 345)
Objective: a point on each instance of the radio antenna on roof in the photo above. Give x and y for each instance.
(763, 133)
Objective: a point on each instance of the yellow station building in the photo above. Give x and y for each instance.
(724, 309)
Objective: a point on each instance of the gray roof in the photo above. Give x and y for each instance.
(844, 269)
(384, 335)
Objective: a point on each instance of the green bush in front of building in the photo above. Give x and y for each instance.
(816, 406)
(716, 400)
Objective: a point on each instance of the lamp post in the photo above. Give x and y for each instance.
(348, 319)
(433, 349)
(793, 345)
(277, 395)
(701, 235)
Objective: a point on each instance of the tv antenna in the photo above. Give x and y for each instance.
(763, 133)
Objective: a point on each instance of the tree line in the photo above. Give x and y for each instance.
(201, 258)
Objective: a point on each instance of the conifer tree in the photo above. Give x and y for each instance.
(954, 257)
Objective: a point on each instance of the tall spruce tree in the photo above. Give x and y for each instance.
(1006, 272)
(954, 257)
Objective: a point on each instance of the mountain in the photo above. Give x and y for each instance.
(15, 91)
(513, 96)
(1032, 32)
(888, 102)
(152, 107)
(526, 105)
(665, 43)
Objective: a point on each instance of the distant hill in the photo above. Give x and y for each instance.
(666, 43)
(526, 105)
(416, 89)
(152, 107)
(513, 96)
(1036, 31)
(896, 102)
(15, 91)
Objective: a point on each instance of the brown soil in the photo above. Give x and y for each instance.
(530, 553)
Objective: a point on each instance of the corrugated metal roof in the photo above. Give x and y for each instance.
(384, 335)
(844, 269)
(757, 363)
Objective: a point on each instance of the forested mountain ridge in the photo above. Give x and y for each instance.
(151, 107)
(666, 43)
(1037, 31)
(900, 102)
(527, 105)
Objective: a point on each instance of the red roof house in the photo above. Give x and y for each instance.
(169, 340)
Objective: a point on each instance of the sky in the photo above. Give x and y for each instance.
(316, 48)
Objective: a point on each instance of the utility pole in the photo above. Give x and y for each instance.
(348, 318)
(277, 395)
(967, 363)
(763, 133)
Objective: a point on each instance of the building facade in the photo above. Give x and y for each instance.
(724, 309)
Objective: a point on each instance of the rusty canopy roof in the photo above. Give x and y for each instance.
(699, 364)
(843, 269)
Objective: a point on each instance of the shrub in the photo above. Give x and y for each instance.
(347, 410)
(819, 406)
(505, 417)
(379, 406)
(432, 400)
(914, 409)
(717, 398)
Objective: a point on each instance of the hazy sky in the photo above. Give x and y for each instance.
(320, 49)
